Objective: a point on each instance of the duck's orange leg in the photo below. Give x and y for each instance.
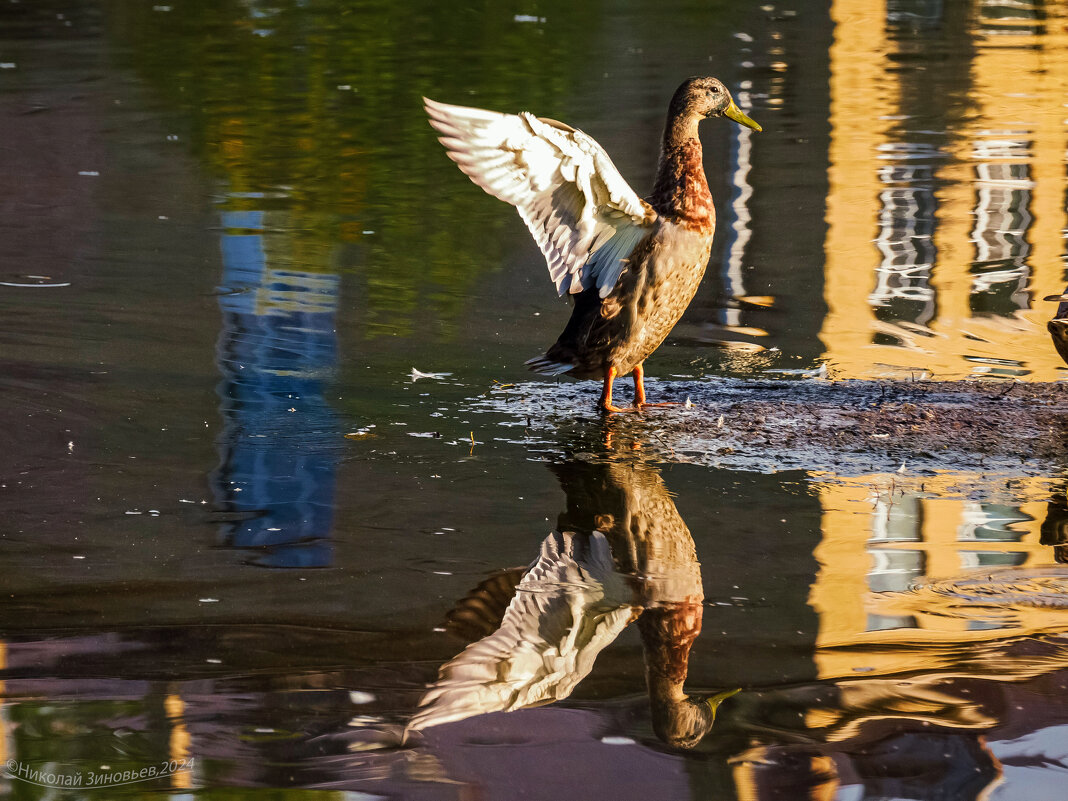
(639, 390)
(639, 386)
(606, 393)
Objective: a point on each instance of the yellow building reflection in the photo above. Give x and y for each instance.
(941, 244)
(180, 740)
(879, 538)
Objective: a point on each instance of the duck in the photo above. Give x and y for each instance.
(620, 553)
(631, 265)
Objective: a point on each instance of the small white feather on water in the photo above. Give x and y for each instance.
(417, 374)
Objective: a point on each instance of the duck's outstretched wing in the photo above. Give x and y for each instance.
(569, 605)
(582, 213)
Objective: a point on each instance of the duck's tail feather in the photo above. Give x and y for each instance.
(546, 366)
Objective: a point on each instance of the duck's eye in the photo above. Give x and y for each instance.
(715, 90)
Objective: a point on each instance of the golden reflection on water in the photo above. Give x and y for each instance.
(880, 538)
(946, 222)
(951, 732)
(968, 189)
(180, 740)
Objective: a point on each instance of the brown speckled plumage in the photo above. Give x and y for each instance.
(621, 552)
(628, 502)
(633, 266)
(681, 191)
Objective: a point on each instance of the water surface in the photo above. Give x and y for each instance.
(242, 537)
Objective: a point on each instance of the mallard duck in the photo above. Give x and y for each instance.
(632, 265)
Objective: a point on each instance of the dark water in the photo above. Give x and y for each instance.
(243, 540)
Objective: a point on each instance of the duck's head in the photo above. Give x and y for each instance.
(704, 97)
(684, 723)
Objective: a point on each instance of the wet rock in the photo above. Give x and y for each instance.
(845, 427)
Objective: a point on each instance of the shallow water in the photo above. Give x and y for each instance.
(272, 460)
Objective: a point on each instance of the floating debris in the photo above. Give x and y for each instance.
(32, 286)
(418, 374)
(802, 372)
(361, 433)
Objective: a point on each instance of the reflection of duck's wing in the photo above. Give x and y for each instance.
(480, 612)
(568, 607)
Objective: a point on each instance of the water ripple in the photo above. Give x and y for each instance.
(1006, 590)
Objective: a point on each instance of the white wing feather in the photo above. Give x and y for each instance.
(569, 606)
(582, 213)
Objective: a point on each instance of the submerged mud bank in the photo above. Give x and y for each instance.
(844, 427)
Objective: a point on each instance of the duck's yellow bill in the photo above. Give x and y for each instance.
(739, 117)
(719, 698)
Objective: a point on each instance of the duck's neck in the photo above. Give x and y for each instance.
(681, 190)
(667, 634)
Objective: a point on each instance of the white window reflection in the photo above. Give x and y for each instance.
(1001, 274)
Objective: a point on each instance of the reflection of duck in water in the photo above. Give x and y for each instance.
(622, 551)
(653, 547)
(632, 266)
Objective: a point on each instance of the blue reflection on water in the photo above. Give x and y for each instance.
(278, 450)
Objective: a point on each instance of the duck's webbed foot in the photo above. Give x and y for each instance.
(639, 391)
(605, 403)
(640, 402)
